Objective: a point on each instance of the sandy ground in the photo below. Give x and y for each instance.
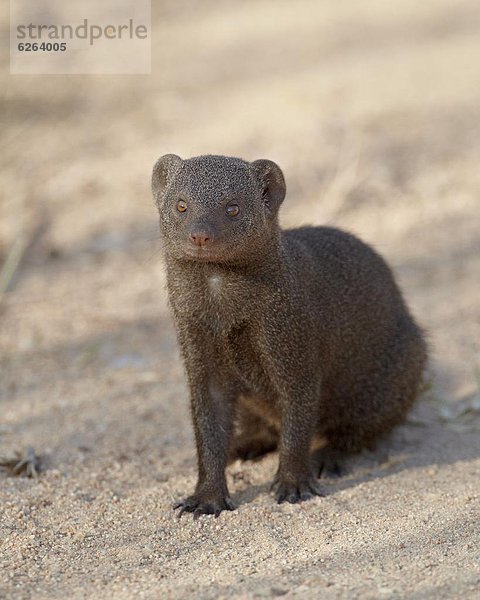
(374, 115)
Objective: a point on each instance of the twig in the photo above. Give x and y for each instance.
(23, 245)
(27, 464)
(11, 264)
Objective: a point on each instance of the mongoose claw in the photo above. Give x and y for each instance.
(194, 504)
(296, 492)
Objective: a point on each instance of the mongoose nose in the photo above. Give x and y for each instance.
(201, 238)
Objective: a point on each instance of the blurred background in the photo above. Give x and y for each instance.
(372, 109)
(373, 114)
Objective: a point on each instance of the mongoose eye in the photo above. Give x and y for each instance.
(233, 210)
(181, 206)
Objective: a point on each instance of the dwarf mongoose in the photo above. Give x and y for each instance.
(297, 339)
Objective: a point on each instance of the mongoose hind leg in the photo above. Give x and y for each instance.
(330, 462)
(253, 447)
(254, 437)
(381, 402)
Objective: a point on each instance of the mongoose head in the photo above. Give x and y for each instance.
(217, 209)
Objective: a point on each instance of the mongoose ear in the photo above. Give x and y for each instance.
(164, 169)
(272, 181)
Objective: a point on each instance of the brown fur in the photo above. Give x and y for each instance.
(299, 338)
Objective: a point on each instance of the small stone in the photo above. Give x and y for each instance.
(277, 591)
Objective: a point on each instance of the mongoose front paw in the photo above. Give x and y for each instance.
(296, 491)
(199, 506)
